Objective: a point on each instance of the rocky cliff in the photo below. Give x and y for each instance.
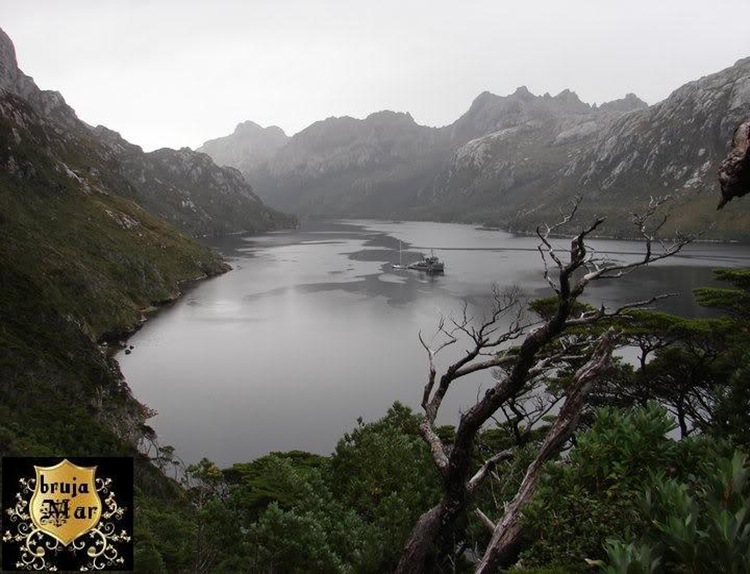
(524, 142)
(190, 191)
(674, 147)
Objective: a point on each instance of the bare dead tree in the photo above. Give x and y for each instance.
(520, 353)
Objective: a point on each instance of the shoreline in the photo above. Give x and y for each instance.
(114, 341)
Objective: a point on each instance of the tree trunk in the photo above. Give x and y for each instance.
(506, 539)
(423, 535)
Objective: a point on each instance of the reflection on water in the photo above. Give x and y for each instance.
(313, 328)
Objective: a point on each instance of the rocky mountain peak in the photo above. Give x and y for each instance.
(249, 128)
(523, 93)
(391, 118)
(627, 104)
(490, 113)
(249, 145)
(570, 102)
(12, 79)
(482, 101)
(114, 140)
(181, 187)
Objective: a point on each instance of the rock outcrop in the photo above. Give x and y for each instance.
(734, 171)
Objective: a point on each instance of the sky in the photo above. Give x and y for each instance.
(175, 73)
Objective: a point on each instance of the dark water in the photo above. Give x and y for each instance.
(313, 329)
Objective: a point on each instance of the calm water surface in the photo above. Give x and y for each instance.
(313, 329)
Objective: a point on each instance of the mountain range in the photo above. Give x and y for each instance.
(511, 161)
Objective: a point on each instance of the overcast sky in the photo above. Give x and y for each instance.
(178, 72)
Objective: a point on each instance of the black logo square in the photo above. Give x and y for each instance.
(67, 513)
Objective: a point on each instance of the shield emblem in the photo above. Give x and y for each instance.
(65, 503)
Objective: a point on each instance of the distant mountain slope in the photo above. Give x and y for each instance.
(520, 176)
(249, 146)
(345, 166)
(674, 147)
(389, 166)
(530, 139)
(515, 160)
(190, 191)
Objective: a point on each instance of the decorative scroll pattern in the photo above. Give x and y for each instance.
(37, 550)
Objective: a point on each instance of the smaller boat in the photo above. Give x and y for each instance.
(399, 266)
(429, 264)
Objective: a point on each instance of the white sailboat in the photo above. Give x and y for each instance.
(400, 265)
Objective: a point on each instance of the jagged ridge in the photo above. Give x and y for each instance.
(515, 160)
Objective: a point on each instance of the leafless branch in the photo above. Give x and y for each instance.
(484, 519)
(508, 531)
(488, 466)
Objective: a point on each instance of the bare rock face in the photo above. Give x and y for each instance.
(50, 104)
(348, 166)
(734, 171)
(11, 78)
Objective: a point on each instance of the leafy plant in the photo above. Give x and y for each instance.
(698, 526)
(595, 494)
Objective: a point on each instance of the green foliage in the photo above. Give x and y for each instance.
(294, 522)
(702, 525)
(545, 307)
(163, 530)
(382, 460)
(629, 559)
(595, 494)
(733, 301)
(696, 368)
(280, 478)
(732, 410)
(384, 471)
(305, 513)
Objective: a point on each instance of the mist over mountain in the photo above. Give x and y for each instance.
(346, 166)
(514, 160)
(387, 165)
(246, 148)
